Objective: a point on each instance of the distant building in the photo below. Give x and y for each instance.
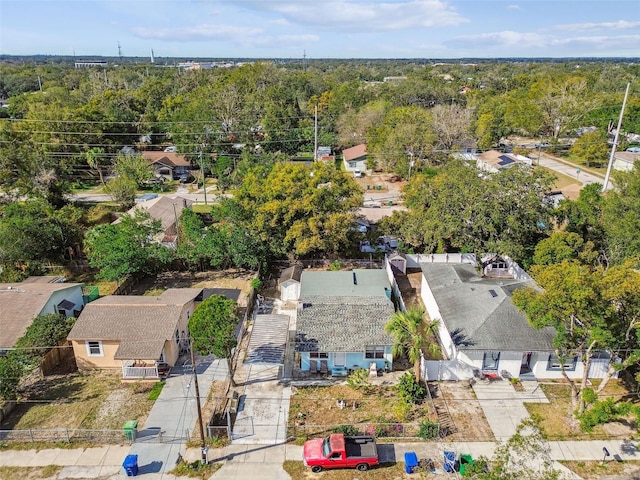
(624, 161)
(90, 64)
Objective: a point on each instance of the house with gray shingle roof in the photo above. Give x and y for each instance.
(22, 302)
(341, 319)
(482, 331)
(133, 333)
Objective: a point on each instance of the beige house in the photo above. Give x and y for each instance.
(133, 333)
(624, 161)
(355, 158)
(22, 302)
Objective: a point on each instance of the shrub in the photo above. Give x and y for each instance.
(359, 379)
(155, 391)
(428, 430)
(589, 395)
(256, 283)
(409, 389)
(605, 411)
(348, 430)
(335, 265)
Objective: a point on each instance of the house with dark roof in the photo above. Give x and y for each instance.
(22, 302)
(355, 158)
(133, 333)
(341, 319)
(482, 331)
(169, 165)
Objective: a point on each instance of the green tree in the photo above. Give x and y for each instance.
(584, 215)
(44, 332)
(122, 190)
(564, 246)
(212, 327)
(592, 148)
(133, 167)
(10, 375)
(570, 303)
(621, 216)
(409, 331)
(126, 248)
(33, 232)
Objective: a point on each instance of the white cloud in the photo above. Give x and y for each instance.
(578, 27)
(513, 7)
(365, 15)
(199, 32)
(497, 39)
(601, 43)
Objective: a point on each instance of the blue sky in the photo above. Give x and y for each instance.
(322, 28)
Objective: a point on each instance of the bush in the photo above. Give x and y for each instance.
(428, 430)
(155, 391)
(256, 284)
(606, 411)
(409, 389)
(359, 379)
(348, 430)
(335, 265)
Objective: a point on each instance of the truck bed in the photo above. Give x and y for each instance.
(364, 447)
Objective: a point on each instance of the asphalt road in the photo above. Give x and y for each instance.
(570, 170)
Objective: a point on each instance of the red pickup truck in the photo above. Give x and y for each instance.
(338, 451)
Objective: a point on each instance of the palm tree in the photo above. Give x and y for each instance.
(408, 330)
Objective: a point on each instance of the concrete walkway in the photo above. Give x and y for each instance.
(173, 416)
(503, 406)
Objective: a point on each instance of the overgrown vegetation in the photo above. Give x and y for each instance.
(195, 469)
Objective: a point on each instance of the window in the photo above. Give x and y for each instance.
(177, 335)
(318, 355)
(353, 164)
(373, 352)
(490, 360)
(94, 349)
(554, 363)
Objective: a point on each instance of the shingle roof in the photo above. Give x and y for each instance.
(354, 152)
(142, 324)
(478, 319)
(161, 208)
(292, 273)
(167, 158)
(342, 324)
(21, 302)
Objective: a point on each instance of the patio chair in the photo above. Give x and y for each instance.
(314, 367)
(324, 368)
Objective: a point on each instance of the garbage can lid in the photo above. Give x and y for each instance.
(130, 461)
(129, 424)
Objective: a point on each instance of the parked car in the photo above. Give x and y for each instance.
(357, 173)
(633, 149)
(339, 451)
(171, 149)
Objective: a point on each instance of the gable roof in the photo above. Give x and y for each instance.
(628, 157)
(342, 324)
(170, 159)
(161, 208)
(478, 311)
(347, 283)
(497, 159)
(339, 315)
(22, 302)
(354, 152)
(142, 324)
(294, 273)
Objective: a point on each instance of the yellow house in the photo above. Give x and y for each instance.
(133, 333)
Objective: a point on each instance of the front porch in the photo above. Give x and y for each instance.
(144, 370)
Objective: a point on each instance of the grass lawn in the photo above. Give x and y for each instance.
(596, 470)
(564, 180)
(556, 418)
(94, 400)
(30, 473)
(313, 408)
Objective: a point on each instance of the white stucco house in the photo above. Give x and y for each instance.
(355, 158)
(482, 332)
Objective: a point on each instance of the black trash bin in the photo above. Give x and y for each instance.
(130, 465)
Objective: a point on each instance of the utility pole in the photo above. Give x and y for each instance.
(615, 140)
(39, 83)
(304, 61)
(203, 447)
(175, 215)
(315, 135)
(119, 52)
(204, 178)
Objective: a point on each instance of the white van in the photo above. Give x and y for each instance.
(357, 173)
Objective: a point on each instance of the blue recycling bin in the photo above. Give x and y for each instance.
(410, 461)
(130, 465)
(449, 462)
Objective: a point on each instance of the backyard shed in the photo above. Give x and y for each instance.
(398, 262)
(290, 283)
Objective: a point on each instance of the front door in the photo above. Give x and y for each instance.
(339, 359)
(525, 366)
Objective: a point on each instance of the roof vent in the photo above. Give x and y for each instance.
(493, 293)
(355, 280)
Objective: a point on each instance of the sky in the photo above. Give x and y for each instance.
(322, 28)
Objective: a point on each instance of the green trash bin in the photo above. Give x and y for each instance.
(130, 429)
(465, 462)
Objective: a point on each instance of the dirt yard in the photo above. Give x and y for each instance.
(466, 412)
(237, 279)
